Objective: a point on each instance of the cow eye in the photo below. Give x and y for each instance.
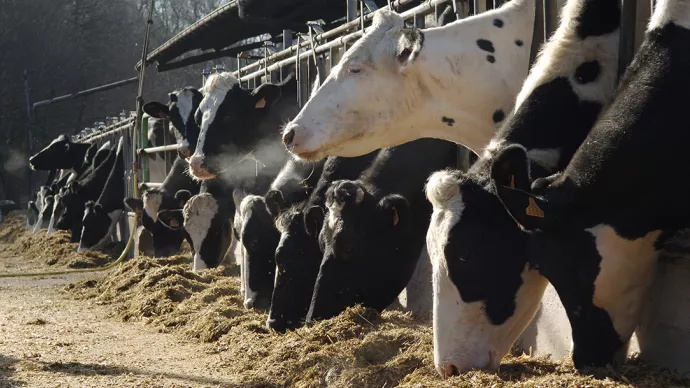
(353, 70)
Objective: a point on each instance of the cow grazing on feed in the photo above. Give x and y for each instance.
(298, 255)
(225, 115)
(594, 236)
(256, 231)
(180, 110)
(77, 193)
(398, 84)
(485, 291)
(176, 189)
(374, 231)
(206, 221)
(101, 218)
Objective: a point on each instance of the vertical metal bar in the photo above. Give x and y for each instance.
(287, 42)
(626, 44)
(351, 15)
(29, 132)
(140, 92)
(475, 4)
(548, 26)
(419, 20)
(297, 73)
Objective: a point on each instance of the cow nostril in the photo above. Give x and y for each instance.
(450, 370)
(289, 137)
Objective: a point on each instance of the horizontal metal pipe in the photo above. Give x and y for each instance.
(86, 92)
(110, 130)
(340, 41)
(151, 185)
(153, 150)
(288, 52)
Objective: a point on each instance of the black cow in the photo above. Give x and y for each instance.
(485, 290)
(61, 153)
(374, 231)
(597, 227)
(298, 255)
(77, 193)
(101, 218)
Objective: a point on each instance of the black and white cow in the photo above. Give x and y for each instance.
(256, 231)
(374, 231)
(206, 221)
(485, 293)
(594, 233)
(101, 217)
(398, 84)
(298, 255)
(225, 115)
(180, 110)
(77, 193)
(178, 186)
(176, 189)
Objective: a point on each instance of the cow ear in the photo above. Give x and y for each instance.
(409, 46)
(134, 204)
(157, 110)
(265, 95)
(275, 202)
(510, 179)
(237, 197)
(313, 220)
(395, 208)
(173, 219)
(182, 196)
(510, 168)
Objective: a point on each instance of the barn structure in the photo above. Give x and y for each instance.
(273, 37)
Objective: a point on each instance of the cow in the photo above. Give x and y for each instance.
(254, 225)
(31, 215)
(178, 186)
(101, 218)
(176, 189)
(374, 232)
(226, 113)
(398, 84)
(206, 221)
(77, 193)
(61, 153)
(485, 291)
(180, 110)
(298, 255)
(595, 237)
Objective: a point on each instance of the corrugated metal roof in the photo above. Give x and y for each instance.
(223, 27)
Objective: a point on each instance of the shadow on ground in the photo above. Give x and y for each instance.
(7, 369)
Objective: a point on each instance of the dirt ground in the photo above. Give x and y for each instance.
(154, 323)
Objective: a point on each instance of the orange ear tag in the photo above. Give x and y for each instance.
(261, 103)
(533, 209)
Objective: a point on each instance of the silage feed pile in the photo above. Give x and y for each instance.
(359, 348)
(25, 249)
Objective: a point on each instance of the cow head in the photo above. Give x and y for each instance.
(364, 239)
(259, 237)
(165, 240)
(206, 224)
(298, 258)
(449, 82)
(57, 210)
(98, 226)
(601, 305)
(182, 105)
(232, 120)
(31, 214)
(485, 293)
(59, 154)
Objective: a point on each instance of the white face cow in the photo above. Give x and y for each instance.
(399, 84)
